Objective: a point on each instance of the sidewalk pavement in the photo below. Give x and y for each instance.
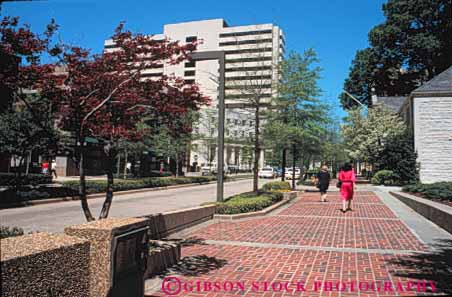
(381, 248)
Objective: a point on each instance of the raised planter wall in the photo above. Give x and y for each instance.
(162, 255)
(43, 265)
(438, 213)
(167, 223)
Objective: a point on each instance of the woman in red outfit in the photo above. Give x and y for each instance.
(348, 179)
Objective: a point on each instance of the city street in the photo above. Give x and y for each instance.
(54, 217)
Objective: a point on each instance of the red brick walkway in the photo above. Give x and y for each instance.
(308, 249)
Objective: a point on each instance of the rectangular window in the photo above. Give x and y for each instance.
(239, 42)
(151, 74)
(253, 77)
(190, 64)
(248, 51)
(252, 59)
(250, 68)
(243, 122)
(236, 122)
(189, 73)
(189, 81)
(257, 32)
(191, 38)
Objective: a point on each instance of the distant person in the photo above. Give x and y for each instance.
(45, 168)
(323, 182)
(53, 169)
(347, 180)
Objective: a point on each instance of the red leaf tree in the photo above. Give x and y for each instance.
(104, 96)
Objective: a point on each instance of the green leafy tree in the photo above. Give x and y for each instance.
(295, 125)
(382, 139)
(411, 46)
(23, 132)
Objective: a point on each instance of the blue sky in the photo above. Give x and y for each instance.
(334, 28)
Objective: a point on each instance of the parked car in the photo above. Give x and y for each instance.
(207, 170)
(226, 169)
(266, 172)
(233, 169)
(289, 173)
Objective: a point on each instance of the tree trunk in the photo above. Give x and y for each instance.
(257, 151)
(177, 166)
(125, 164)
(109, 194)
(293, 167)
(118, 166)
(283, 165)
(82, 187)
(27, 165)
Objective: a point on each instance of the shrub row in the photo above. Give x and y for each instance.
(6, 231)
(387, 178)
(99, 186)
(276, 186)
(10, 179)
(440, 190)
(248, 202)
(70, 188)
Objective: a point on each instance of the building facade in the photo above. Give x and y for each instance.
(252, 56)
(428, 113)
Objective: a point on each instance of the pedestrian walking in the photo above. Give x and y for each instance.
(323, 182)
(347, 184)
(45, 168)
(53, 169)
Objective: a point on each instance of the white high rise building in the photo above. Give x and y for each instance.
(252, 56)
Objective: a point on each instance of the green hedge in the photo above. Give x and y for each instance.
(248, 202)
(305, 183)
(10, 232)
(276, 185)
(440, 190)
(10, 179)
(99, 186)
(70, 188)
(386, 177)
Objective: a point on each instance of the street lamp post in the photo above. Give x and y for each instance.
(354, 99)
(220, 56)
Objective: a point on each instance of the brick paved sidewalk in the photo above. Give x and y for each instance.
(310, 248)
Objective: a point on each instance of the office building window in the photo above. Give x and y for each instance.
(190, 64)
(189, 73)
(191, 38)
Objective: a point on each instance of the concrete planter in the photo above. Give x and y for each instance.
(162, 255)
(288, 196)
(164, 224)
(438, 213)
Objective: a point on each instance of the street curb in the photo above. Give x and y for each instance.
(291, 195)
(101, 195)
(438, 213)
